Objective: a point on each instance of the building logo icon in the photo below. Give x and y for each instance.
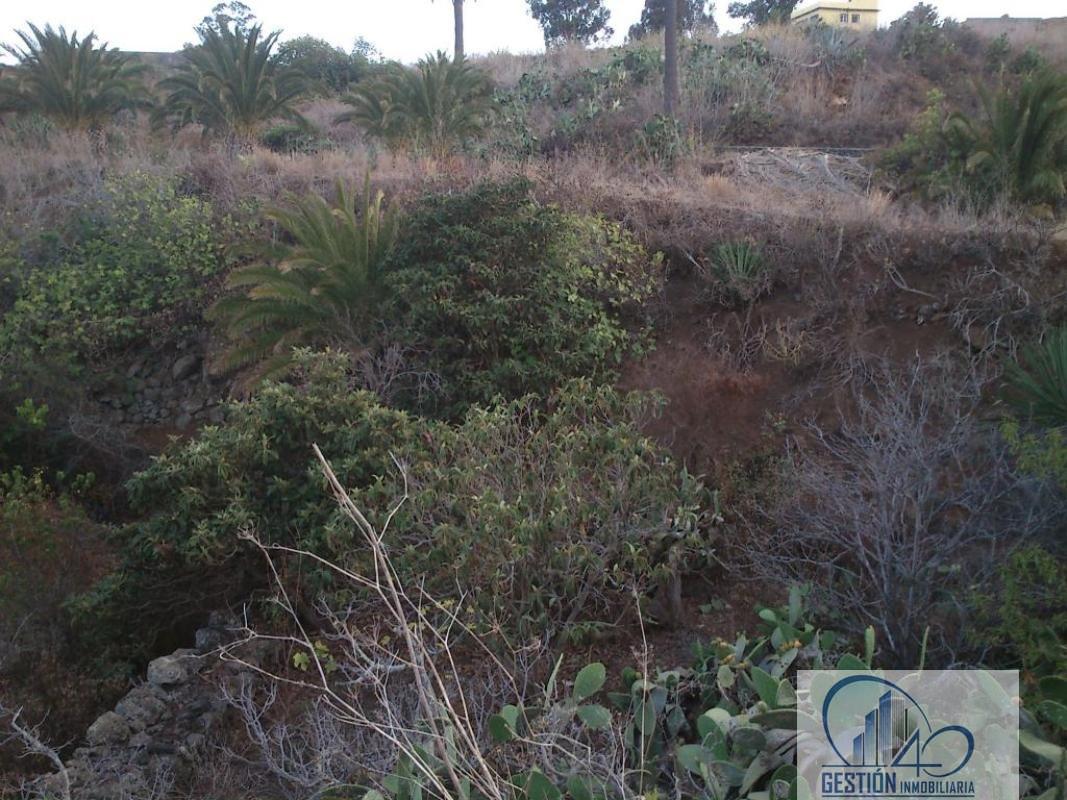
(947, 735)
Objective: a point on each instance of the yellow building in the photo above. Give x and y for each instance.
(861, 15)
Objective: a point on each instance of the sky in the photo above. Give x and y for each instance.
(400, 29)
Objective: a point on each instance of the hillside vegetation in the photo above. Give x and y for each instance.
(512, 438)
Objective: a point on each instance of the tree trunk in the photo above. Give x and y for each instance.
(670, 55)
(457, 6)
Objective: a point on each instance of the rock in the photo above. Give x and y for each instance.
(109, 728)
(135, 369)
(217, 415)
(140, 709)
(183, 421)
(185, 366)
(168, 671)
(192, 405)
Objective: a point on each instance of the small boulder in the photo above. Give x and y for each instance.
(167, 671)
(109, 728)
(185, 366)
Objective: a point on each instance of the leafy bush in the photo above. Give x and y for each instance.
(290, 138)
(143, 258)
(1038, 382)
(1016, 149)
(561, 505)
(232, 83)
(931, 159)
(325, 291)
(661, 140)
(328, 69)
(435, 106)
(1019, 148)
(71, 82)
(49, 551)
(508, 296)
(1022, 614)
(723, 729)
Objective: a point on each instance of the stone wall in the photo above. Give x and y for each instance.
(160, 728)
(1023, 31)
(168, 387)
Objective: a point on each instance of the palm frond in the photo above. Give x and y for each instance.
(232, 84)
(441, 102)
(326, 287)
(72, 81)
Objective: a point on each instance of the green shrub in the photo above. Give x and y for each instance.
(1022, 616)
(561, 505)
(662, 140)
(290, 138)
(50, 550)
(931, 158)
(328, 69)
(1019, 145)
(507, 296)
(143, 260)
(1016, 148)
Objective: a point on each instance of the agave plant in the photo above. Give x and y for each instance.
(232, 84)
(432, 107)
(741, 272)
(1021, 143)
(322, 293)
(1039, 381)
(71, 81)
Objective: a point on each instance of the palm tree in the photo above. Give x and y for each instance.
(71, 81)
(1021, 144)
(457, 15)
(670, 66)
(323, 292)
(232, 84)
(432, 107)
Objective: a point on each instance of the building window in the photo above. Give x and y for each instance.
(844, 17)
(856, 18)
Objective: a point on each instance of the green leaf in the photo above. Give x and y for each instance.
(594, 716)
(760, 766)
(779, 719)
(1054, 712)
(800, 790)
(500, 730)
(725, 677)
(765, 685)
(749, 737)
(849, 661)
(584, 787)
(589, 681)
(1041, 747)
(795, 604)
(539, 787)
(693, 757)
(1054, 688)
(868, 645)
(786, 696)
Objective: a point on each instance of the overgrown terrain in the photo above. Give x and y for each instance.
(520, 439)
